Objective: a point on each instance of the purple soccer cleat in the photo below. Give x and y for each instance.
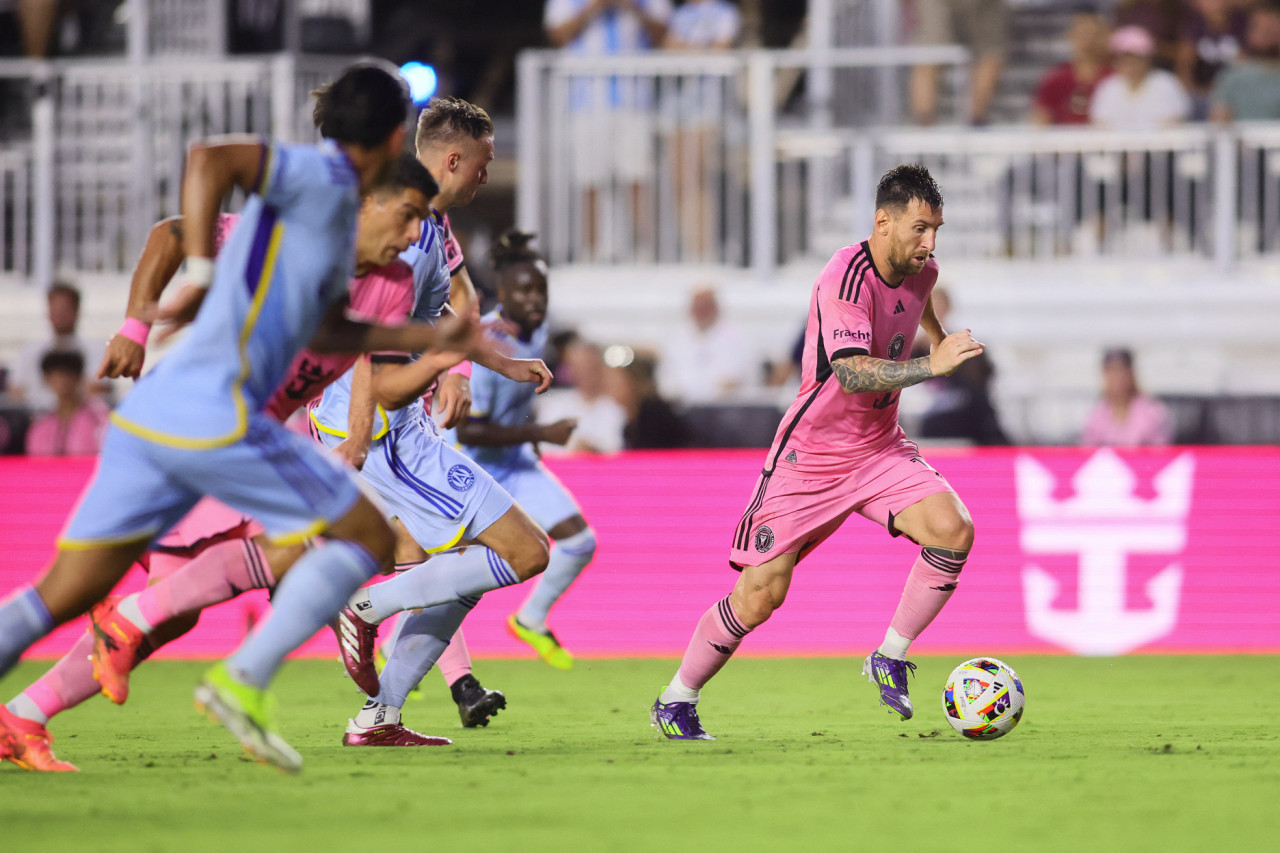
(890, 676)
(357, 640)
(678, 720)
(389, 735)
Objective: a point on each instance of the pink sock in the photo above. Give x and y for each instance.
(218, 574)
(455, 660)
(68, 683)
(933, 578)
(714, 640)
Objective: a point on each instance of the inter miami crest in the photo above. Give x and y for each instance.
(764, 538)
(461, 478)
(895, 346)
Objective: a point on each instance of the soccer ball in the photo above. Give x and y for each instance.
(983, 699)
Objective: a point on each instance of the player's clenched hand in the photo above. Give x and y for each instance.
(122, 358)
(179, 311)
(954, 351)
(558, 432)
(353, 451)
(453, 400)
(532, 370)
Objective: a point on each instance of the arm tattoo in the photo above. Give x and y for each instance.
(860, 373)
(175, 228)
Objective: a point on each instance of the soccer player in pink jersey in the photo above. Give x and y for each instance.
(215, 552)
(840, 450)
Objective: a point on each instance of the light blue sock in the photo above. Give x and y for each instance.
(24, 618)
(310, 595)
(423, 638)
(463, 573)
(569, 556)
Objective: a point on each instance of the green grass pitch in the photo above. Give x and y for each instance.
(1136, 753)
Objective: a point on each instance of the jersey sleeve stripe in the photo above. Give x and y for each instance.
(845, 283)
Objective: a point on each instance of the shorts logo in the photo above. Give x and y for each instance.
(764, 538)
(895, 346)
(461, 478)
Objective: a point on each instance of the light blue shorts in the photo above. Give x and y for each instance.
(439, 494)
(539, 493)
(142, 488)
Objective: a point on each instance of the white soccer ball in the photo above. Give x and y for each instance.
(983, 699)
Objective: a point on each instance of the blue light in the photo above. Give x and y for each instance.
(421, 79)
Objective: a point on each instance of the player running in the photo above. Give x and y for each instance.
(840, 450)
(501, 436)
(215, 552)
(441, 497)
(195, 425)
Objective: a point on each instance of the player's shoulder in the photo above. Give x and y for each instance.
(845, 265)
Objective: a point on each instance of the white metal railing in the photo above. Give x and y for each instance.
(662, 157)
(716, 158)
(109, 142)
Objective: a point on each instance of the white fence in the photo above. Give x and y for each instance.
(109, 141)
(738, 158)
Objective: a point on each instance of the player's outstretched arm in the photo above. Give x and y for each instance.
(355, 447)
(161, 257)
(532, 370)
(396, 384)
(932, 326)
(479, 433)
(862, 373)
(464, 335)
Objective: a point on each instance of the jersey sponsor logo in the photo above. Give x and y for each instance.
(791, 457)
(764, 538)
(898, 309)
(846, 335)
(461, 478)
(896, 346)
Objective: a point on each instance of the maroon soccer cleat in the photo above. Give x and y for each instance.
(356, 641)
(389, 735)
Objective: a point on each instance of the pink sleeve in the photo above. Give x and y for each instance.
(222, 230)
(452, 250)
(844, 307)
(462, 368)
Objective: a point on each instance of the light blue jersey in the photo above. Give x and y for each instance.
(504, 401)
(287, 261)
(428, 259)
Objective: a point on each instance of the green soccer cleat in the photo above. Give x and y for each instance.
(544, 643)
(248, 713)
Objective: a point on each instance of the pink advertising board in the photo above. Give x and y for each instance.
(1078, 551)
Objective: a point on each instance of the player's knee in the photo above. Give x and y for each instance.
(953, 531)
(755, 606)
(581, 544)
(532, 556)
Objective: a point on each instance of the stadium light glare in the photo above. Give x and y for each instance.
(422, 81)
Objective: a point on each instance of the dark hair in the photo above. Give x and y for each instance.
(62, 288)
(363, 106)
(406, 173)
(1118, 355)
(446, 119)
(68, 360)
(904, 184)
(513, 248)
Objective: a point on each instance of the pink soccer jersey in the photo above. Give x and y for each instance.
(852, 311)
(452, 249)
(383, 295)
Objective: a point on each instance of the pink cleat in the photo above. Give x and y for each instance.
(357, 640)
(29, 745)
(116, 641)
(389, 735)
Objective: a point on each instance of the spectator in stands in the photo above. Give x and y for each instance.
(651, 422)
(1213, 33)
(26, 385)
(599, 417)
(1125, 416)
(75, 426)
(705, 361)
(38, 20)
(1138, 96)
(1162, 19)
(1250, 90)
(1065, 92)
(697, 113)
(980, 25)
(961, 406)
(612, 129)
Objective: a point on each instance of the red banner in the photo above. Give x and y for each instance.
(1078, 551)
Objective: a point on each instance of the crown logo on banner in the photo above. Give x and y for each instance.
(1102, 524)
